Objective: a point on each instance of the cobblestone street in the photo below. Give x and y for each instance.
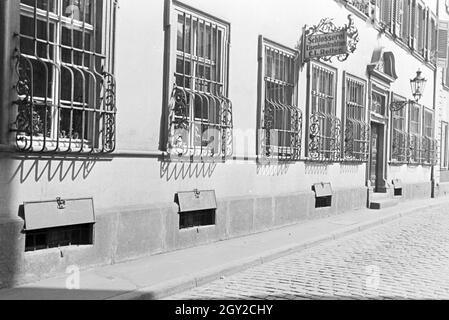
(406, 259)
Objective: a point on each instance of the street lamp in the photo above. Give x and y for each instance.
(418, 85)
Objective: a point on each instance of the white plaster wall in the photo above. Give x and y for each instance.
(139, 65)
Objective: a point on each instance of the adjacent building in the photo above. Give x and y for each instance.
(134, 128)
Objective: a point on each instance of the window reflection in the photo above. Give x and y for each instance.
(77, 9)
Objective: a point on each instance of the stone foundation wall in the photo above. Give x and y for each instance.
(132, 233)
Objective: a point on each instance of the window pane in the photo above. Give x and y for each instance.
(77, 10)
(44, 34)
(79, 41)
(41, 4)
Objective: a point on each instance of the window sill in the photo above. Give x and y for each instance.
(59, 251)
(321, 161)
(41, 144)
(398, 163)
(169, 157)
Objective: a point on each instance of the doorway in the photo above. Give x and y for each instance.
(376, 156)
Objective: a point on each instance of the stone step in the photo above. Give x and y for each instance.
(383, 203)
(379, 196)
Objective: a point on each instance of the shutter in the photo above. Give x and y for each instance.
(428, 34)
(398, 13)
(386, 6)
(400, 17)
(446, 75)
(406, 21)
(443, 32)
(433, 39)
(419, 29)
(413, 25)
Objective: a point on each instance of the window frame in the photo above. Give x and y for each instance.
(364, 132)
(191, 150)
(314, 152)
(429, 155)
(444, 145)
(98, 104)
(404, 132)
(415, 155)
(273, 150)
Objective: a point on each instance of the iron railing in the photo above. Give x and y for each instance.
(199, 138)
(429, 151)
(66, 88)
(356, 146)
(282, 139)
(325, 137)
(399, 152)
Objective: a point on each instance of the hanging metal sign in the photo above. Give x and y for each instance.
(326, 45)
(325, 41)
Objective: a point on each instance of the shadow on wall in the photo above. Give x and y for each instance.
(176, 171)
(52, 169)
(12, 243)
(272, 170)
(349, 168)
(317, 169)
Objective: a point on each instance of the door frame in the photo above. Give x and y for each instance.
(382, 120)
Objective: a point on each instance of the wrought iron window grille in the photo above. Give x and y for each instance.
(66, 88)
(363, 6)
(200, 113)
(356, 142)
(282, 120)
(399, 140)
(324, 142)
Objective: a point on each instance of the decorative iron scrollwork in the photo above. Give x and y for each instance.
(212, 138)
(356, 147)
(314, 137)
(109, 99)
(324, 138)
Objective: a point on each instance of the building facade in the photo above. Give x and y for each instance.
(140, 127)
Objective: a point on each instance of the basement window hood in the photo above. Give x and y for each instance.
(196, 208)
(58, 213)
(323, 195)
(58, 223)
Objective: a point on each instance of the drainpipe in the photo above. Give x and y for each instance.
(435, 94)
(9, 24)
(5, 45)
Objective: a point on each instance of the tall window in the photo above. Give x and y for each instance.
(324, 126)
(421, 28)
(66, 85)
(282, 120)
(399, 152)
(444, 145)
(406, 21)
(356, 127)
(429, 144)
(383, 12)
(200, 120)
(415, 133)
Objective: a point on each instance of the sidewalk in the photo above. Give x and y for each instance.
(162, 275)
